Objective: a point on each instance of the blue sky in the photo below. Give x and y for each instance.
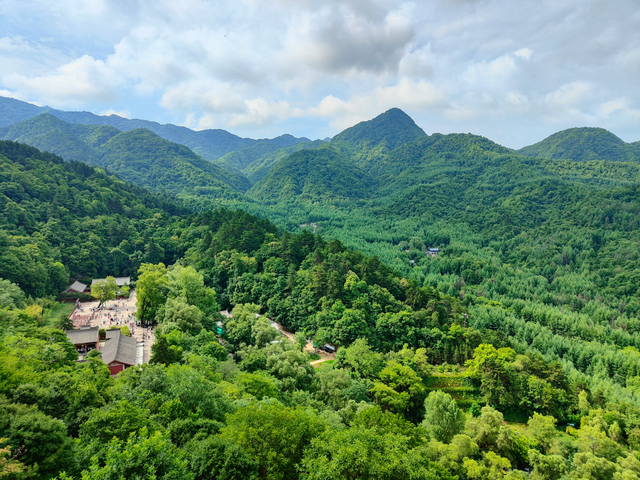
(513, 71)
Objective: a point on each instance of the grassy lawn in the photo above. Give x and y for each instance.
(51, 315)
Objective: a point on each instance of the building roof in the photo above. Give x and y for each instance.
(76, 287)
(120, 281)
(434, 250)
(84, 334)
(120, 349)
(112, 332)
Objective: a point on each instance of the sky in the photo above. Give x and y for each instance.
(514, 71)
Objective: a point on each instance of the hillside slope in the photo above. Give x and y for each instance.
(62, 218)
(375, 137)
(209, 144)
(313, 175)
(583, 144)
(139, 156)
(259, 168)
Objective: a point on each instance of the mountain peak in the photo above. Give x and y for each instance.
(388, 131)
(583, 144)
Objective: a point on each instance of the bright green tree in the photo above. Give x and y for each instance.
(443, 419)
(104, 290)
(274, 434)
(151, 290)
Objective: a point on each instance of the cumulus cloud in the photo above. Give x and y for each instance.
(502, 69)
(72, 83)
(119, 113)
(569, 94)
(406, 94)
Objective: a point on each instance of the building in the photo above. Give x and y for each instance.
(432, 252)
(76, 287)
(119, 352)
(120, 281)
(85, 338)
(112, 332)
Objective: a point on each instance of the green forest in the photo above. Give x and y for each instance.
(511, 353)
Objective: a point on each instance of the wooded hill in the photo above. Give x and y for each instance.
(532, 307)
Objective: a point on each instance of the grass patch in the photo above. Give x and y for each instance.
(52, 316)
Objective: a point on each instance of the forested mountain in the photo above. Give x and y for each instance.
(529, 312)
(378, 136)
(209, 144)
(240, 159)
(67, 218)
(259, 168)
(583, 144)
(138, 156)
(313, 175)
(14, 111)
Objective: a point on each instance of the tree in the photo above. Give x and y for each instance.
(399, 389)
(493, 368)
(41, 439)
(546, 467)
(543, 430)
(104, 290)
(187, 283)
(238, 328)
(151, 290)
(360, 359)
(10, 468)
(214, 459)
(189, 318)
(363, 453)
(293, 370)
(262, 333)
(274, 434)
(143, 457)
(443, 419)
(11, 295)
(117, 420)
(163, 352)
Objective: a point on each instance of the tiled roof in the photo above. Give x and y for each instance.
(120, 349)
(83, 335)
(76, 287)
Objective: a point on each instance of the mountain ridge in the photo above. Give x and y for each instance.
(210, 144)
(583, 144)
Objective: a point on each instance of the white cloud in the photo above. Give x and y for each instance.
(569, 94)
(459, 65)
(260, 111)
(524, 53)
(80, 80)
(406, 94)
(119, 113)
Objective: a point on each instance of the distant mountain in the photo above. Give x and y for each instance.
(313, 175)
(138, 156)
(583, 144)
(51, 134)
(143, 158)
(13, 111)
(259, 168)
(384, 133)
(209, 144)
(242, 158)
(412, 158)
